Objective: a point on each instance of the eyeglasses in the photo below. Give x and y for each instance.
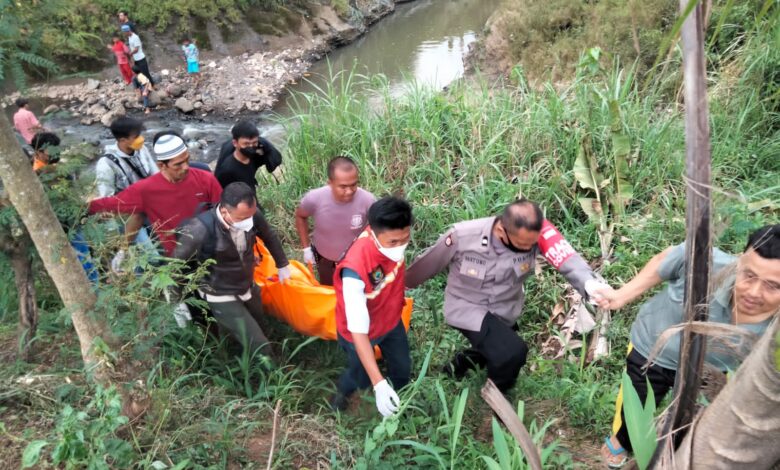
(746, 276)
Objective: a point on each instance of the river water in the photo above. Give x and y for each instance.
(422, 42)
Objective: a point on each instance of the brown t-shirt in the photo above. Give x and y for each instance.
(336, 224)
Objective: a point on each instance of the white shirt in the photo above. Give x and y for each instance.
(134, 42)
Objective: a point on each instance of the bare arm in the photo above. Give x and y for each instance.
(366, 354)
(645, 280)
(302, 226)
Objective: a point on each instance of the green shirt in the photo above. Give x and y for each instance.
(666, 309)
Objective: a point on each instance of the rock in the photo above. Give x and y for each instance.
(52, 108)
(97, 110)
(202, 143)
(165, 72)
(197, 105)
(87, 121)
(93, 84)
(212, 64)
(155, 99)
(175, 90)
(184, 105)
(113, 113)
(92, 100)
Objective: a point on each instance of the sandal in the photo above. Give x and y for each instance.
(615, 452)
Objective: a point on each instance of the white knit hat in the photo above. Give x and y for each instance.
(168, 147)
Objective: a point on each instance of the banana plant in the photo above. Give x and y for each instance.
(608, 190)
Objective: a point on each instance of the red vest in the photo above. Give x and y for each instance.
(384, 280)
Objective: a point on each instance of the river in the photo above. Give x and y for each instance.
(422, 42)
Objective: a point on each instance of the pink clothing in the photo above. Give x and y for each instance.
(336, 224)
(120, 51)
(24, 122)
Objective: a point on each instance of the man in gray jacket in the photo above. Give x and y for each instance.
(125, 162)
(227, 234)
(489, 260)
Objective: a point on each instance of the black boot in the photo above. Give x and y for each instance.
(462, 362)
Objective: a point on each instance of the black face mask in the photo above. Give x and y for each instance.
(508, 244)
(249, 152)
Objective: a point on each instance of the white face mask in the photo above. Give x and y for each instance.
(245, 225)
(395, 253)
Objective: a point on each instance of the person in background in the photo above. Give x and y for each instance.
(124, 20)
(746, 293)
(25, 121)
(43, 144)
(169, 197)
(488, 261)
(339, 211)
(191, 54)
(240, 158)
(143, 86)
(369, 283)
(137, 52)
(122, 52)
(226, 234)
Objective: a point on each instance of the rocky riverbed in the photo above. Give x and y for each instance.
(231, 85)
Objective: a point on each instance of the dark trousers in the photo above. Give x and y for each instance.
(325, 268)
(242, 319)
(661, 381)
(498, 347)
(395, 352)
(144, 66)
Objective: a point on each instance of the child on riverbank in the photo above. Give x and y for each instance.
(191, 56)
(121, 51)
(143, 86)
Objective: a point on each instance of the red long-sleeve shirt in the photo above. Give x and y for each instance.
(165, 204)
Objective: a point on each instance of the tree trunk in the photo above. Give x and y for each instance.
(741, 427)
(26, 193)
(21, 262)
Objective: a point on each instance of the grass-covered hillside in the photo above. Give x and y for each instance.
(458, 155)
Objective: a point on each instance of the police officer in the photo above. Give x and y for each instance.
(489, 259)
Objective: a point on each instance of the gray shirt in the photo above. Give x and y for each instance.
(666, 308)
(134, 41)
(484, 276)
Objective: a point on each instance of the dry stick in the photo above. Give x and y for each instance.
(273, 434)
(498, 402)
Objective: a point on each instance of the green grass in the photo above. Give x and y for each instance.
(458, 155)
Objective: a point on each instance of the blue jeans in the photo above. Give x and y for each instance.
(395, 351)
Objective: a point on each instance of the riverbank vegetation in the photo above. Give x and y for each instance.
(455, 155)
(70, 33)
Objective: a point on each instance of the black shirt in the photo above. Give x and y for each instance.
(230, 170)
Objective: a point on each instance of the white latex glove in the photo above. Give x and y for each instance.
(308, 255)
(284, 274)
(592, 287)
(116, 262)
(182, 315)
(386, 399)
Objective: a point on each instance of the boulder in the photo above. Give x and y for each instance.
(113, 113)
(52, 108)
(155, 99)
(97, 110)
(197, 105)
(184, 105)
(93, 84)
(175, 91)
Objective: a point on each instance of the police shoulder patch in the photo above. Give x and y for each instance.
(376, 276)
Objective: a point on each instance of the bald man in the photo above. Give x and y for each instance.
(489, 259)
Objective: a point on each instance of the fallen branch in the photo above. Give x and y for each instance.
(273, 434)
(498, 402)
